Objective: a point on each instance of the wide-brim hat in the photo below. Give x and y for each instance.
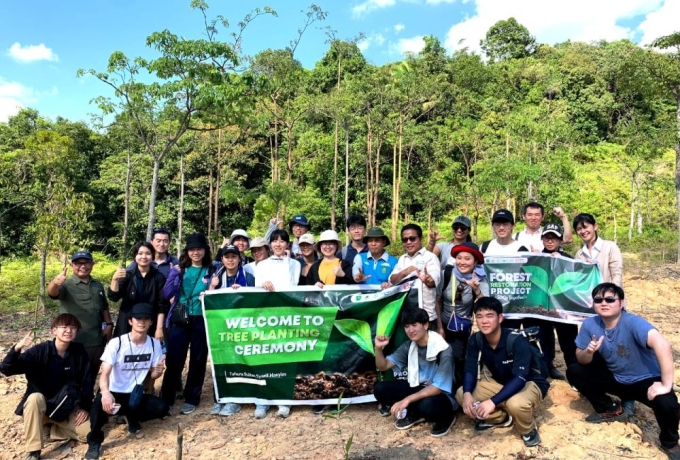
(470, 248)
(239, 232)
(329, 235)
(376, 232)
(196, 241)
(258, 242)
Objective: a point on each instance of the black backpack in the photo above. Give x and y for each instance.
(531, 334)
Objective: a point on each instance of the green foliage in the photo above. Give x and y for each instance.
(357, 330)
(19, 280)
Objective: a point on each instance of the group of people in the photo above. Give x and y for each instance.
(495, 374)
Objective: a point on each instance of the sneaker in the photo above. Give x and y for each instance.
(93, 451)
(440, 429)
(133, 427)
(616, 414)
(260, 411)
(532, 438)
(555, 373)
(385, 411)
(187, 409)
(318, 410)
(673, 453)
(483, 425)
(35, 455)
(629, 407)
(283, 412)
(407, 422)
(121, 420)
(230, 409)
(216, 408)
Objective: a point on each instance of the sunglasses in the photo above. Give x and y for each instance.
(409, 239)
(604, 299)
(461, 228)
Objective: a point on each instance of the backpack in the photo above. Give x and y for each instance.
(531, 334)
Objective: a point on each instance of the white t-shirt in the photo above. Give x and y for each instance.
(529, 240)
(496, 249)
(130, 363)
(423, 259)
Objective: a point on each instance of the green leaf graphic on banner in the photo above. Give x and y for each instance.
(357, 330)
(539, 277)
(387, 317)
(566, 282)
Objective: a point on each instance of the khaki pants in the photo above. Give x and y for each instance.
(35, 419)
(521, 406)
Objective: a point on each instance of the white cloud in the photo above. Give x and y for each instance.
(30, 53)
(663, 21)
(372, 39)
(13, 97)
(399, 27)
(437, 2)
(408, 45)
(552, 21)
(370, 5)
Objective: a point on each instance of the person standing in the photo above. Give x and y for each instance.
(619, 353)
(163, 261)
(83, 297)
(308, 256)
(376, 265)
(53, 368)
(330, 269)
(461, 234)
(142, 284)
(502, 222)
(186, 283)
(533, 214)
(420, 263)
(298, 226)
(356, 227)
(259, 250)
(606, 254)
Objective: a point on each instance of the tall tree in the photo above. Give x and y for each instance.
(508, 39)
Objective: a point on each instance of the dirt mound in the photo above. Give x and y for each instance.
(650, 291)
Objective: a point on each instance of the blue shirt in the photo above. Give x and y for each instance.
(624, 347)
(438, 373)
(379, 270)
(350, 252)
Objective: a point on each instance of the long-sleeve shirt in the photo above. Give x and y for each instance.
(608, 257)
(282, 272)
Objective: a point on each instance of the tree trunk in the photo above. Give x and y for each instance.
(639, 206)
(346, 183)
(394, 192)
(180, 211)
(152, 199)
(43, 269)
(677, 168)
(218, 182)
(210, 204)
(369, 172)
(128, 179)
(334, 192)
(632, 207)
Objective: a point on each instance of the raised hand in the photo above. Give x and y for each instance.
(473, 283)
(381, 341)
(338, 272)
(61, 277)
(120, 274)
(559, 212)
(594, 344)
(26, 342)
(360, 277)
(214, 282)
(434, 237)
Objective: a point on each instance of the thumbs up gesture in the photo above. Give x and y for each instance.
(214, 282)
(120, 273)
(61, 277)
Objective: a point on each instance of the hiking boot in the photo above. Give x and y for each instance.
(532, 438)
(384, 411)
(483, 425)
(34, 455)
(187, 409)
(261, 411)
(616, 414)
(673, 453)
(440, 429)
(230, 409)
(407, 422)
(216, 408)
(93, 452)
(555, 374)
(133, 426)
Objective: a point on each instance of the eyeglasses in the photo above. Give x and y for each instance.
(67, 328)
(460, 228)
(82, 264)
(409, 239)
(604, 299)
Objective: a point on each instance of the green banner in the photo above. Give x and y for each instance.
(542, 286)
(302, 346)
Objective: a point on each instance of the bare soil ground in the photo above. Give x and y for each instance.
(651, 292)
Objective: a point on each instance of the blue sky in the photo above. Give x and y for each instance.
(44, 43)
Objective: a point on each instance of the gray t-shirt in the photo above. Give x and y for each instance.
(464, 297)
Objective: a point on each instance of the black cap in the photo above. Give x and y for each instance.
(552, 228)
(196, 240)
(142, 310)
(81, 255)
(299, 219)
(229, 249)
(463, 220)
(503, 215)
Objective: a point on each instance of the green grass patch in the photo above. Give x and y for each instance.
(20, 280)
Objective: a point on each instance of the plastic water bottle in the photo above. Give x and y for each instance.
(164, 349)
(401, 414)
